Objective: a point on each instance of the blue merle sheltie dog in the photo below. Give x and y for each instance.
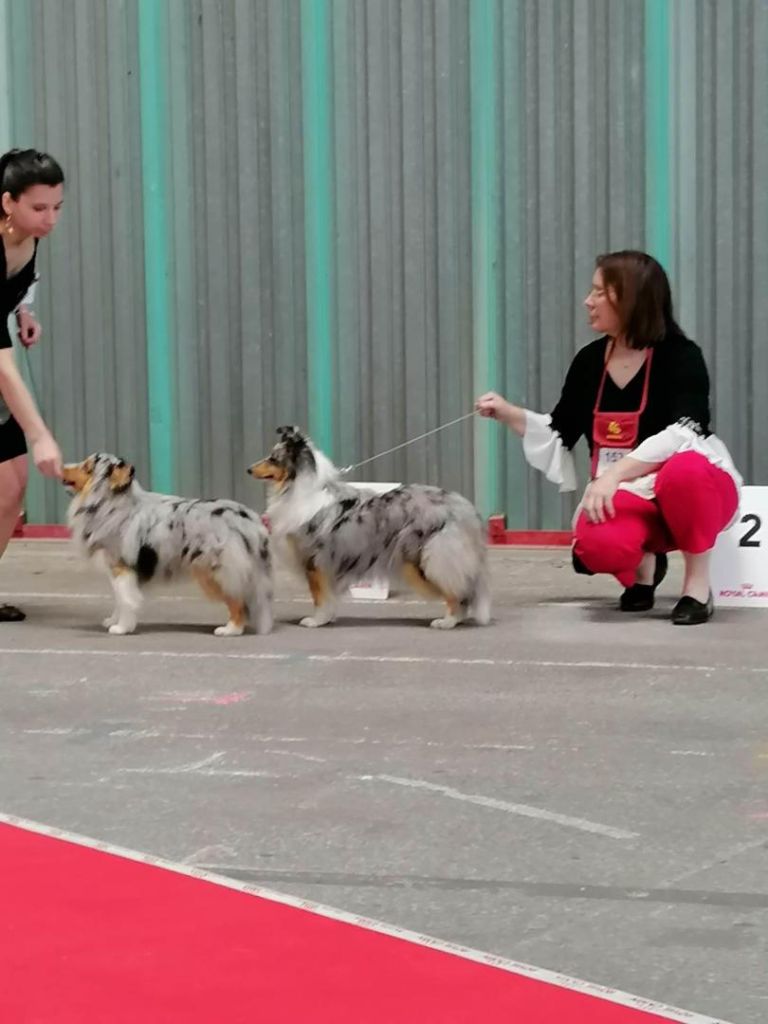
(140, 536)
(338, 535)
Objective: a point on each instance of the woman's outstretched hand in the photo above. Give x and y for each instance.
(492, 405)
(29, 328)
(47, 456)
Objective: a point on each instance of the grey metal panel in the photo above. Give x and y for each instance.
(401, 92)
(453, 256)
(720, 219)
(351, 203)
(570, 127)
(514, 342)
(184, 244)
(237, 190)
(687, 166)
(583, 191)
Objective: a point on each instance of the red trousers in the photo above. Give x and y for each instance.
(694, 501)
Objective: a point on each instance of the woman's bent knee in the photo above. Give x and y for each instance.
(600, 547)
(13, 484)
(684, 471)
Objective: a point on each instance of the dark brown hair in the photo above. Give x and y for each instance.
(643, 296)
(20, 169)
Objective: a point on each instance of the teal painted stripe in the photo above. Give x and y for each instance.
(485, 242)
(317, 93)
(154, 99)
(658, 167)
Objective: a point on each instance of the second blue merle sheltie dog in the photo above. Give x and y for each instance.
(338, 535)
(139, 536)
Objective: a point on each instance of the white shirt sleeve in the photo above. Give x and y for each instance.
(29, 295)
(681, 437)
(545, 451)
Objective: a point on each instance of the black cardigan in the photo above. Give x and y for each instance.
(678, 389)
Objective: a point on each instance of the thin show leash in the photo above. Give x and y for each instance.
(344, 469)
(413, 440)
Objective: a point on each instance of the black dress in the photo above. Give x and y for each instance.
(12, 291)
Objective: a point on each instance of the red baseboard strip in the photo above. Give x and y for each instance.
(536, 538)
(498, 534)
(43, 531)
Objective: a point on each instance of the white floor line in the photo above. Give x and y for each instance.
(524, 810)
(224, 655)
(213, 772)
(295, 753)
(611, 995)
(199, 768)
(692, 753)
(182, 769)
(69, 731)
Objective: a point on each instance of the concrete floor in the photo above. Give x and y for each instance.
(570, 787)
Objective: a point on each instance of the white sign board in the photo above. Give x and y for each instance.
(740, 557)
(373, 589)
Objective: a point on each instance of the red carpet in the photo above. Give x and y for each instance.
(88, 937)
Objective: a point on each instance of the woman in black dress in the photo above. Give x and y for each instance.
(31, 194)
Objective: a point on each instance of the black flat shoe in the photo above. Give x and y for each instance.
(639, 597)
(690, 612)
(8, 613)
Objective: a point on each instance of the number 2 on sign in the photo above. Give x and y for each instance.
(746, 541)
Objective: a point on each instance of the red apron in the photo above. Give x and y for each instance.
(614, 434)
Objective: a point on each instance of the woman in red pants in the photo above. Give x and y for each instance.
(660, 480)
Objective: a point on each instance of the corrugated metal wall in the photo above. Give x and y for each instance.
(374, 209)
(720, 225)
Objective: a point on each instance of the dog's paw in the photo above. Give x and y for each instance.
(117, 629)
(447, 623)
(311, 623)
(110, 620)
(229, 630)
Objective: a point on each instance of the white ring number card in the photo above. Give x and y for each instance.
(740, 557)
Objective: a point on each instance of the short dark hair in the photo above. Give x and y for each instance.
(20, 169)
(643, 296)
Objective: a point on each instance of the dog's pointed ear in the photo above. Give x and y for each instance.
(120, 476)
(288, 432)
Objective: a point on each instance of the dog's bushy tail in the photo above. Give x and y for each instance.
(260, 599)
(258, 586)
(454, 559)
(245, 568)
(480, 603)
